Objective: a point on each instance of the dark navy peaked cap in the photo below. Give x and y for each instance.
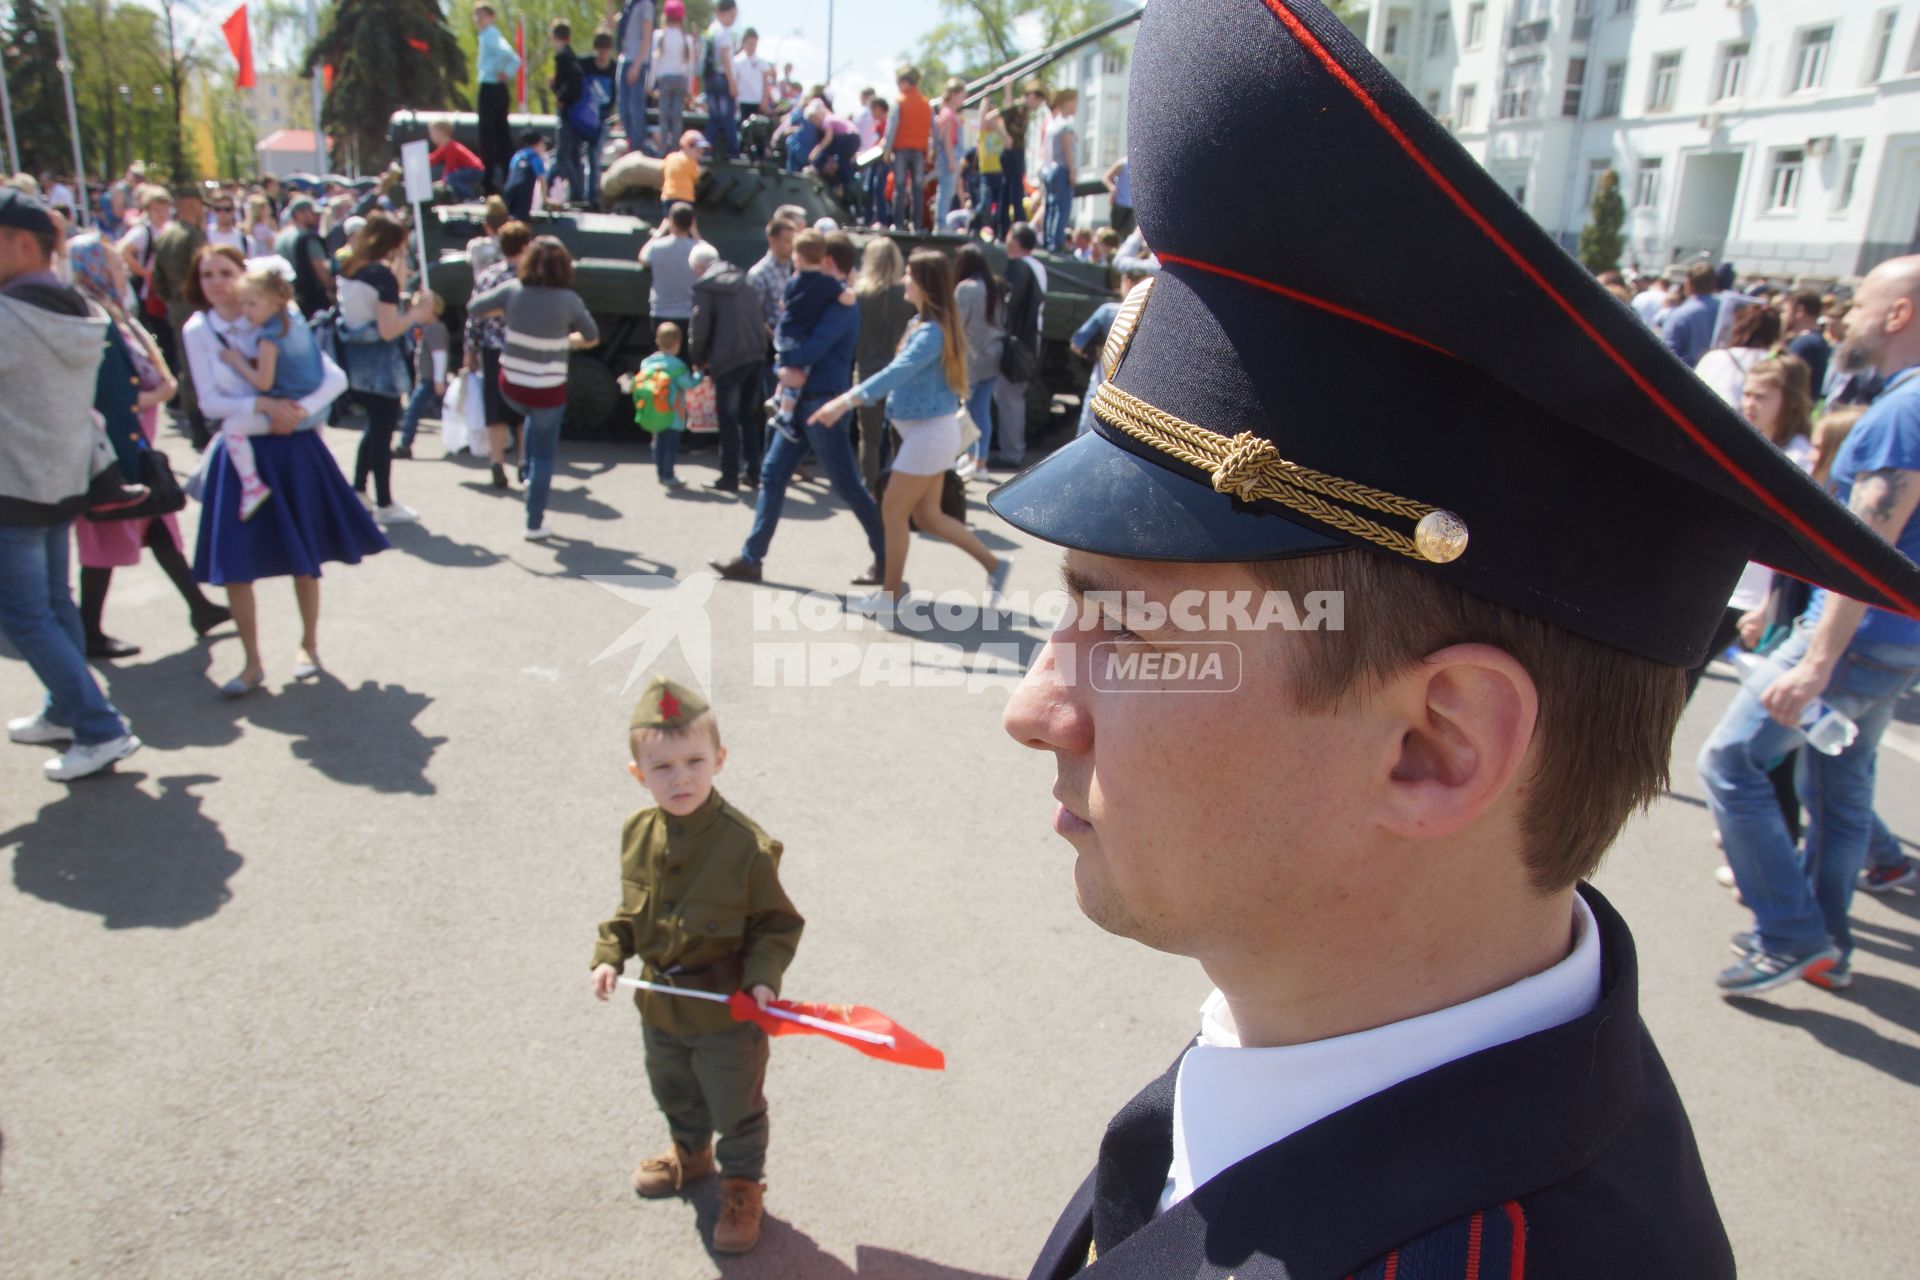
(1358, 340)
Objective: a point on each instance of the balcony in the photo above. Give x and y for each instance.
(1526, 35)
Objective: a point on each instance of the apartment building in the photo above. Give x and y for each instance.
(1781, 135)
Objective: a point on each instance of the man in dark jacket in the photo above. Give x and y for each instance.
(729, 343)
(1026, 296)
(51, 343)
(568, 84)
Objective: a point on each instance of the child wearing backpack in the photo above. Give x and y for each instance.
(660, 399)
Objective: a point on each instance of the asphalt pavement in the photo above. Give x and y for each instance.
(301, 989)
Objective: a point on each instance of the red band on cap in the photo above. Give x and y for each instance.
(1306, 38)
(1332, 307)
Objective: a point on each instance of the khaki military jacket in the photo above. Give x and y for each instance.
(701, 906)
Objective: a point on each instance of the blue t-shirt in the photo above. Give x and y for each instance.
(297, 371)
(1887, 436)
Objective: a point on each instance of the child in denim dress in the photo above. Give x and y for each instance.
(287, 367)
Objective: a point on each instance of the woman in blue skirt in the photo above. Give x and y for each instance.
(314, 516)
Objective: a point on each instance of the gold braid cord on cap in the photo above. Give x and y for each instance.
(1248, 467)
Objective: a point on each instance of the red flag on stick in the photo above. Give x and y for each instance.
(326, 77)
(520, 47)
(854, 1025)
(240, 40)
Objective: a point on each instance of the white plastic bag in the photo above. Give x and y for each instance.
(463, 417)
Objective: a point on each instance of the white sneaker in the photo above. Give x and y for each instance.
(964, 467)
(1723, 874)
(539, 535)
(37, 731)
(80, 760)
(876, 604)
(394, 513)
(997, 581)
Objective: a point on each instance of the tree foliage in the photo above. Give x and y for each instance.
(1601, 240)
(376, 71)
(980, 35)
(33, 82)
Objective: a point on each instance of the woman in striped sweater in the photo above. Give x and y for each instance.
(546, 321)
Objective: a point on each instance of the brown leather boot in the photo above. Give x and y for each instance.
(665, 1175)
(739, 1227)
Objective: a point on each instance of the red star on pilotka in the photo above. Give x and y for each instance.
(669, 707)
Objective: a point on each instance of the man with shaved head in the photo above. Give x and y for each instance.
(1858, 659)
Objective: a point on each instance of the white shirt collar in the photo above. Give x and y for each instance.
(1230, 1102)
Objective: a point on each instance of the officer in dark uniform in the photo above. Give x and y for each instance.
(1365, 371)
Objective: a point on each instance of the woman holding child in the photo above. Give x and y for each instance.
(923, 389)
(311, 516)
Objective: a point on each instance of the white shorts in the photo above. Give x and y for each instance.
(928, 446)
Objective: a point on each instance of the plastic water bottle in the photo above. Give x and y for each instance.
(1827, 731)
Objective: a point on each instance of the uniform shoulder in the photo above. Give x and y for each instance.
(741, 825)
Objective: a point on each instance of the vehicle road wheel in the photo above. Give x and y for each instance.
(593, 400)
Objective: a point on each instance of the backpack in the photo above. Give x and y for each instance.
(710, 68)
(656, 405)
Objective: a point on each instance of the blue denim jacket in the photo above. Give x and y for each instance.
(915, 384)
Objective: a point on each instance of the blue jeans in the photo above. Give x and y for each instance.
(946, 173)
(666, 447)
(1059, 184)
(909, 188)
(673, 106)
(566, 160)
(980, 408)
(37, 616)
(423, 398)
(630, 104)
(723, 120)
(834, 447)
(468, 184)
(879, 212)
(540, 442)
(1799, 900)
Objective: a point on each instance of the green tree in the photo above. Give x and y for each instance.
(1600, 239)
(33, 84)
(980, 35)
(377, 72)
(116, 49)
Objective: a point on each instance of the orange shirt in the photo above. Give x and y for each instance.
(915, 130)
(679, 173)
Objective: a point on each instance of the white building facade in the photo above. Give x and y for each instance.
(1780, 135)
(1100, 75)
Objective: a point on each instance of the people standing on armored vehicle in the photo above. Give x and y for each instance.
(634, 36)
(672, 69)
(717, 81)
(568, 85)
(909, 132)
(497, 63)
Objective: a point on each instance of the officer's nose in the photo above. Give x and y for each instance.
(1045, 712)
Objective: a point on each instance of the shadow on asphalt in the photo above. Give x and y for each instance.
(578, 558)
(106, 847)
(362, 737)
(1893, 1001)
(787, 1253)
(437, 548)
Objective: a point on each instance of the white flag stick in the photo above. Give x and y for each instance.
(805, 1020)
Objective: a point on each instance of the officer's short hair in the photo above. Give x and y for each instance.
(1606, 721)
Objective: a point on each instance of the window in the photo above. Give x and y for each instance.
(1519, 88)
(1595, 167)
(1810, 59)
(1733, 70)
(1433, 102)
(1114, 63)
(1390, 42)
(1882, 44)
(1442, 28)
(1666, 79)
(1646, 185)
(1576, 86)
(1849, 175)
(1783, 179)
(1476, 25)
(1622, 6)
(1463, 118)
(1612, 89)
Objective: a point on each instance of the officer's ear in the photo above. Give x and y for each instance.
(1464, 717)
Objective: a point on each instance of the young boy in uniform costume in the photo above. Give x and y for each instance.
(702, 907)
(1424, 1056)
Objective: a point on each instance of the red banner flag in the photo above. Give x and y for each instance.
(520, 47)
(240, 40)
(872, 1033)
(419, 44)
(326, 77)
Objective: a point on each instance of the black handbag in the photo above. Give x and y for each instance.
(164, 494)
(1018, 363)
(953, 496)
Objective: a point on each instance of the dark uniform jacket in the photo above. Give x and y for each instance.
(1564, 1155)
(701, 905)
